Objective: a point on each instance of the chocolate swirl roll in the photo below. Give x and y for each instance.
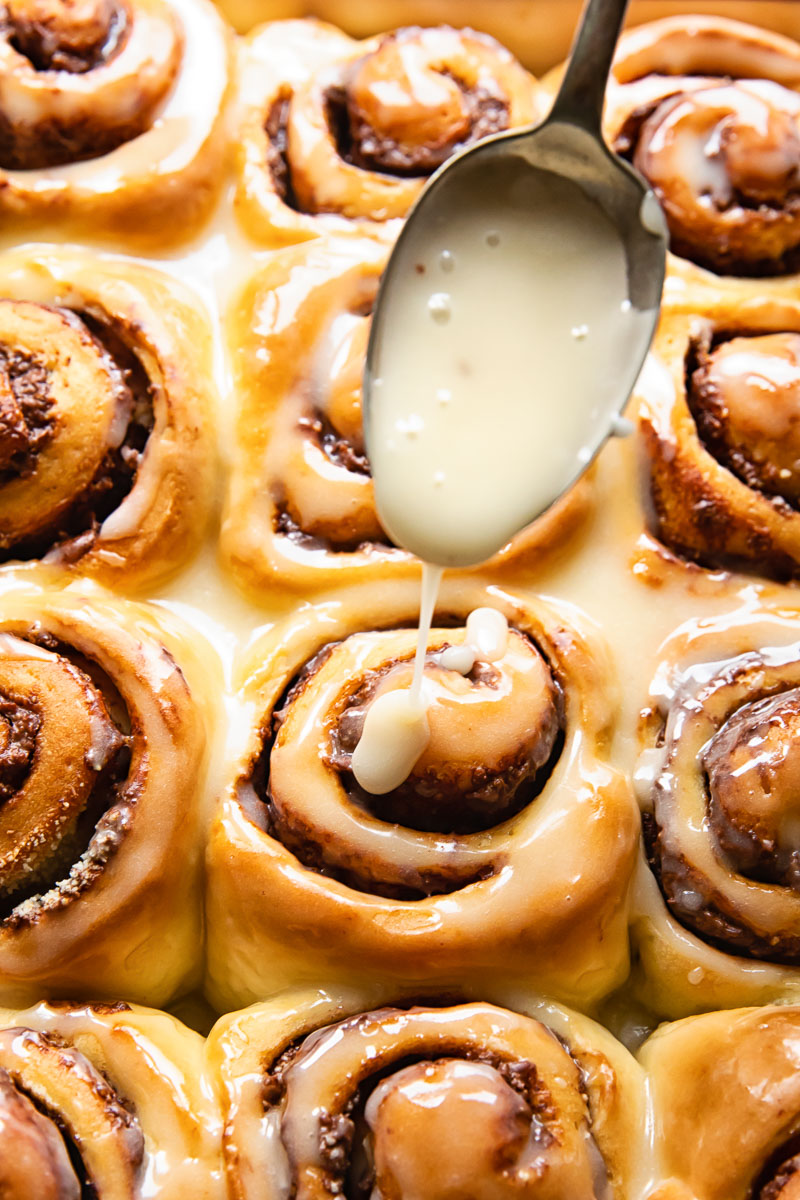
(339, 136)
(508, 845)
(708, 110)
(301, 508)
(428, 1101)
(105, 411)
(720, 431)
(100, 751)
(107, 1101)
(719, 905)
(727, 1105)
(111, 115)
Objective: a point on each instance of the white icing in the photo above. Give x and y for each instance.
(651, 216)
(487, 634)
(456, 658)
(396, 730)
(14, 647)
(129, 517)
(395, 734)
(517, 311)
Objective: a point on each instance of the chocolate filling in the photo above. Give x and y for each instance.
(75, 531)
(79, 859)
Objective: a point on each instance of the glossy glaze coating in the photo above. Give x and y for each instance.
(125, 1088)
(720, 490)
(118, 359)
(536, 893)
(80, 912)
(449, 1101)
(337, 136)
(725, 1089)
(707, 109)
(133, 146)
(716, 912)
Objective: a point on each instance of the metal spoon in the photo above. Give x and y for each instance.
(568, 144)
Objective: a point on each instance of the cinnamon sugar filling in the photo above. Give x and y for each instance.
(76, 37)
(743, 391)
(448, 800)
(62, 861)
(352, 115)
(750, 773)
(27, 427)
(738, 211)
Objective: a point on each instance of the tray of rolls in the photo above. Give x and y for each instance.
(562, 959)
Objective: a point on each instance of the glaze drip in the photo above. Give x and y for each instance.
(509, 714)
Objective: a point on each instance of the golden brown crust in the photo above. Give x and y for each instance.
(300, 513)
(82, 914)
(710, 499)
(124, 1089)
(496, 900)
(322, 150)
(105, 428)
(725, 1091)
(707, 109)
(561, 1066)
(716, 908)
(132, 147)
(91, 54)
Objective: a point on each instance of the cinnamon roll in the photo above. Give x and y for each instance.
(339, 136)
(101, 758)
(708, 110)
(105, 411)
(105, 1100)
(507, 849)
(301, 509)
(726, 1093)
(717, 908)
(325, 1099)
(111, 115)
(720, 430)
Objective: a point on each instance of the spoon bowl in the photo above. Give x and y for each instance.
(561, 175)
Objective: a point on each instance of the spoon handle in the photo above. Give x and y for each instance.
(580, 97)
